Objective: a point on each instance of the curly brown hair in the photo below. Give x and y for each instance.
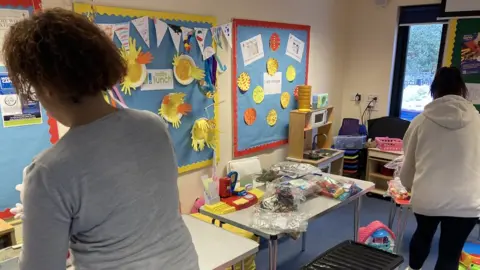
(62, 51)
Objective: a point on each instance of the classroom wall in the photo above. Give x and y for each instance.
(327, 20)
(371, 38)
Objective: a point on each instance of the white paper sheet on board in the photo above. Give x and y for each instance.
(295, 48)
(473, 92)
(272, 84)
(252, 49)
(158, 79)
(8, 17)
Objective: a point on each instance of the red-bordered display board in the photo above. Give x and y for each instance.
(269, 60)
(21, 4)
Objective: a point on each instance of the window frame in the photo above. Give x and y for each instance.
(408, 16)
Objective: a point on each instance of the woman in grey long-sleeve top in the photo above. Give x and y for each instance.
(108, 188)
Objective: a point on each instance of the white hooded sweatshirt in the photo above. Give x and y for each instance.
(442, 159)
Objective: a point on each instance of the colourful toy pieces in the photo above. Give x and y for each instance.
(377, 235)
(470, 258)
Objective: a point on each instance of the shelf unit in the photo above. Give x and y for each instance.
(376, 159)
(300, 138)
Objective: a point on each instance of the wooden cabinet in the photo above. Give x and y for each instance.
(375, 161)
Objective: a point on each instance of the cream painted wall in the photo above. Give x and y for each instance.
(327, 19)
(369, 57)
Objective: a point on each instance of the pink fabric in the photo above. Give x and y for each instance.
(196, 205)
(365, 232)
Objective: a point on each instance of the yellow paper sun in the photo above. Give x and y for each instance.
(203, 133)
(136, 66)
(173, 108)
(185, 69)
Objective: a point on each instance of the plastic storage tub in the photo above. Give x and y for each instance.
(349, 142)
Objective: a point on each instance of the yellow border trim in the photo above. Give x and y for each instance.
(85, 8)
(452, 28)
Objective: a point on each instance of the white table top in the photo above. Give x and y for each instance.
(216, 247)
(315, 207)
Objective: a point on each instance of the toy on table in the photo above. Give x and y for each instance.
(238, 198)
(470, 258)
(377, 235)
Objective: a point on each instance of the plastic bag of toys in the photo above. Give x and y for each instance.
(308, 184)
(338, 189)
(395, 188)
(281, 209)
(294, 170)
(397, 191)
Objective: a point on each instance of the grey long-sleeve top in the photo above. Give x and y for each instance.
(108, 190)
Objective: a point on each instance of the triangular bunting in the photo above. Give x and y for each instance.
(176, 34)
(200, 34)
(227, 32)
(143, 28)
(160, 29)
(216, 34)
(187, 34)
(208, 52)
(108, 29)
(122, 30)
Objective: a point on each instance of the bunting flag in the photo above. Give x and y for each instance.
(176, 34)
(208, 52)
(122, 30)
(227, 32)
(216, 35)
(141, 24)
(187, 34)
(108, 29)
(160, 29)
(200, 34)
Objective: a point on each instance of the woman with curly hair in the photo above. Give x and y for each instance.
(108, 188)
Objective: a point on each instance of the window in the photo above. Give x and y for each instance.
(419, 53)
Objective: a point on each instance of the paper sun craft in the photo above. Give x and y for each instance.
(203, 133)
(185, 69)
(136, 66)
(173, 108)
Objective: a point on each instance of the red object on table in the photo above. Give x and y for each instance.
(250, 198)
(224, 187)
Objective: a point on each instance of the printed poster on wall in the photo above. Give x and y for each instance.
(15, 112)
(470, 55)
(252, 50)
(8, 17)
(295, 48)
(158, 79)
(272, 84)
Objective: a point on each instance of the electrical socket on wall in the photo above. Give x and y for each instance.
(372, 101)
(356, 97)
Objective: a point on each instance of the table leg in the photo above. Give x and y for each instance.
(243, 265)
(272, 253)
(356, 218)
(403, 225)
(391, 216)
(304, 241)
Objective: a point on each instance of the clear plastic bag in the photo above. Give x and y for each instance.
(395, 165)
(395, 188)
(294, 170)
(338, 189)
(281, 209)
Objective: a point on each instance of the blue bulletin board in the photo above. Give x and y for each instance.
(269, 61)
(202, 106)
(20, 144)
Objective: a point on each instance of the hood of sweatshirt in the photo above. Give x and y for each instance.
(451, 112)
